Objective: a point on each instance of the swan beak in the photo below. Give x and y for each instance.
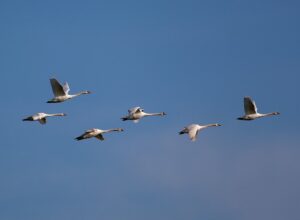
(219, 125)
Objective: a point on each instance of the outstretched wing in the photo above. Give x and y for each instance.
(57, 89)
(134, 110)
(249, 106)
(193, 133)
(66, 88)
(100, 137)
(43, 121)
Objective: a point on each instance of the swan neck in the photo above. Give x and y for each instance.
(152, 114)
(113, 129)
(57, 114)
(210, 125)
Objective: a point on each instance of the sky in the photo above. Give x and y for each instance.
(195, 60)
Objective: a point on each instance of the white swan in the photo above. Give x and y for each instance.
(41, 117)
(61, 93)
(97, 133)
(137, 113)
(251, 110)
(193, 129)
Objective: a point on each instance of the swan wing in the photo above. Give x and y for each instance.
(134, 110)
(66, 88)
(57, 88)
(249, 106)
(193, 131)
(42, 121)
(100, 137)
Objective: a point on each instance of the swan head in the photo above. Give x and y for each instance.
(86, 92)
(163, 113)
(276, 113)
(218, 125)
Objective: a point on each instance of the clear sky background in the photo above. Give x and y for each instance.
(195, 60)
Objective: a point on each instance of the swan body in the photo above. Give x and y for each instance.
(97, 133)
(250, 109)
(136, 113)
(41, 117)
(61, 92)
(193, 129)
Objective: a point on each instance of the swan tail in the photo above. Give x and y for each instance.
(28, 119)
(124, 118)
(79, 138)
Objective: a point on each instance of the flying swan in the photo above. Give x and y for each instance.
(136, 113)
(193, 129)
(251, 110)
(61, 92)
(97, 133)
(41, 117)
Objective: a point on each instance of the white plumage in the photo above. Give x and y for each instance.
(61, 93)
(250, 109)
(193, 129)
(136, 113)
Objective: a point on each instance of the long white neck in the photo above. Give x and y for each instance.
(56, 114)
(154, 114)
(113, 129)
(80, 93)
(210, 125)
(269, 114)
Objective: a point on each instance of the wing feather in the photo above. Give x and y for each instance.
(100, 137)
(66, 88)
(193, 133)
(134, 110)
(249, 106)
(57, 88)
(42, 121)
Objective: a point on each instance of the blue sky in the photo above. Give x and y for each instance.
(195, 60)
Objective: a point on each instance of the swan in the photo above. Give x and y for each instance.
(97, 133)
(137, 113)
(193, 129)
(41, 117)
(251, 110)
(61, 92)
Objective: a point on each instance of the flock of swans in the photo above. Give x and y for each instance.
(61, 94)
